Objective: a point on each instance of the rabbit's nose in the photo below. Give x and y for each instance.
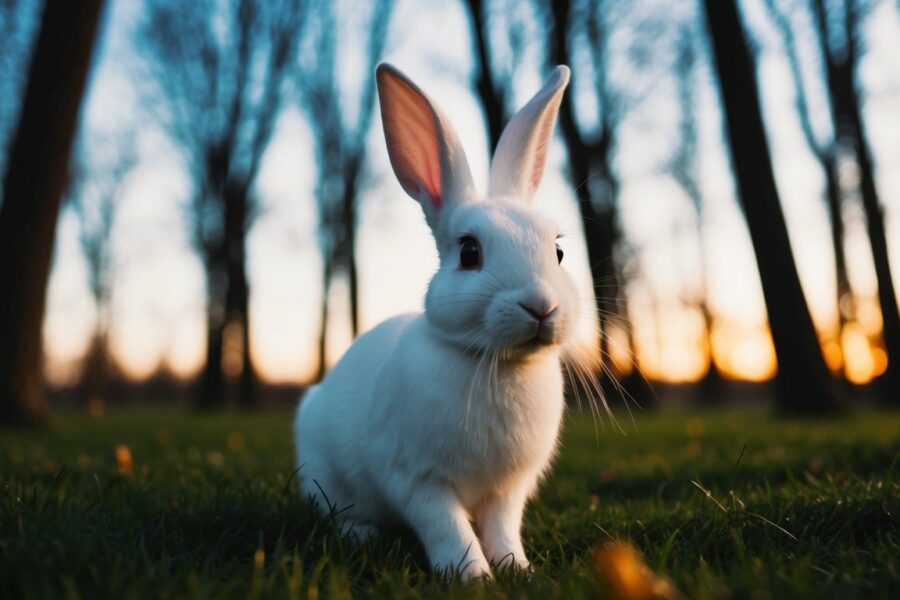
(540, 314)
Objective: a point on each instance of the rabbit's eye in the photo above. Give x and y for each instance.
(559, 253)
(469, 253)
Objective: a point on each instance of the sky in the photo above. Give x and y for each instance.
(158, 294)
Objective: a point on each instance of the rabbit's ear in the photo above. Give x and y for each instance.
(518, 163)
(425, 152)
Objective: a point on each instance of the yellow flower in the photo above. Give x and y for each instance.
(235, 441)
(96, 408)
(626, 575)
(123, 460)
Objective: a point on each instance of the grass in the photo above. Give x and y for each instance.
(723, 504)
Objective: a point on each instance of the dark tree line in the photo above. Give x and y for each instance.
(220, 74)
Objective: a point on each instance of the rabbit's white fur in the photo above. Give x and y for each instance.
(450, 417)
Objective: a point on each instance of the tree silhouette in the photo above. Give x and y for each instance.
(803, 381)
(101, 167)
(218, 76)
(826, 155)
(340, 143)
(589, 153)
(683, 167)
(841, 60)
(491, 87)
(35, 179)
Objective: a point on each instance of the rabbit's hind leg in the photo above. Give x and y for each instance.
(317, 483)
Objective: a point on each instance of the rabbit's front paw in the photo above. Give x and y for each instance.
(499, 522)
(510, 560)
(467, 562)
(443, 527)
(467, 569)
(476, 569)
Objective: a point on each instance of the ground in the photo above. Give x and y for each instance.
(157, 503)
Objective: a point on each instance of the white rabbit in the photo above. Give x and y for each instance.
(449, 418)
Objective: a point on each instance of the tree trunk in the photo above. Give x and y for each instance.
(846, 310)
(840, 67)
(827, 160)
(491, 96)
(595, 188)
(212, 384)
(95, 370)
(97, 365)
(228, 299)
(241, 314)
(237, 304)
(352, 172)
(802, 382)
(36, 177)
(597, 225)
(890, 313)
(711, 387)
(323, 332)
(846, 304)
(212, 392)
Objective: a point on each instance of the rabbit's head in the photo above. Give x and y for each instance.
(501, 287)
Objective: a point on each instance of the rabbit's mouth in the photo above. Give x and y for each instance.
(540, 335)
(542, 338)
(535, 343)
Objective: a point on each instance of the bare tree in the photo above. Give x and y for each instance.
(101, 168)
(826, 155)
(589, 151)
(803, 381)
(838, 38)
(340, 143)
(492, 89)
(219, 72)
(590, 155)
(32, 188)
(683, 167)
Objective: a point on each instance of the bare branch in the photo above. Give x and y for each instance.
(801, 103)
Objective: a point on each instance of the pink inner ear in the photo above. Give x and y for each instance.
(412, 187)
(542, 145)
(521, 154)
(411, 133)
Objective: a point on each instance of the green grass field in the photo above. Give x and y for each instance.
(725, 505)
